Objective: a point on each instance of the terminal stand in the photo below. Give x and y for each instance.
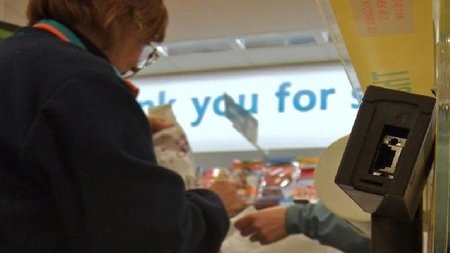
(391, 235)
(386, 162)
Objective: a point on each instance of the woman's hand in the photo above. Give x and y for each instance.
(157, 124)
(265, 226)
(228, 194)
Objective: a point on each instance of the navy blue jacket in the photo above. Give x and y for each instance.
(77, 167)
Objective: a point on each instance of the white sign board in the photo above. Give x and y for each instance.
(296, 107)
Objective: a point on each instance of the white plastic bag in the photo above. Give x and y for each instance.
(171, 145)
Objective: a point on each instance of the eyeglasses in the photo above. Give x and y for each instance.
(149, 56)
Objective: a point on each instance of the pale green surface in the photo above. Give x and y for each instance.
(440, 212)
(5, 33)
(442, 180)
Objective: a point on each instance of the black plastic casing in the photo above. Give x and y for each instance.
(388, 114)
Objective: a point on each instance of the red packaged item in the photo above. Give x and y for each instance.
(246, 176)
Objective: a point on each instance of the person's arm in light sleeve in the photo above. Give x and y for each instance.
(313, 220)
(317, 222)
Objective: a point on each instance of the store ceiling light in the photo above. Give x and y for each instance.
(198, 47)
(240, 43)
(278, 40)
(162, 50)
(258, 41)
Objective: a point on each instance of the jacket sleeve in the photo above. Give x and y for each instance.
(93, 141)
(317, 222)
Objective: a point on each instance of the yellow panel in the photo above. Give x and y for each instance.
(390, 42)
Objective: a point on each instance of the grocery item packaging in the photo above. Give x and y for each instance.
(171, 145)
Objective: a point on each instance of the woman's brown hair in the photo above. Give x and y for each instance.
(113, 18)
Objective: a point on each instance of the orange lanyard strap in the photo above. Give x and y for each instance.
(134, 89)
(52, 30)
(64, 34)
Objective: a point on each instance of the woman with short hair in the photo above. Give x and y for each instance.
(77, 167)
